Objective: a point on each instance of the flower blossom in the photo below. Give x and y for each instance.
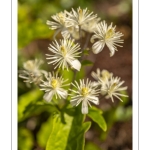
(109, 85)
(65, 54)
(85, 92)
(31, 72)
(53, 86)
(106, 35)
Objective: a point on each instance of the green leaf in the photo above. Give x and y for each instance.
(26, 99)
(25, 139)
(96, 115)
(67, 134)
(37, 108)
(44, 132)
(87, 63)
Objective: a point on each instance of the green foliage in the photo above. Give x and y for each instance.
(67, 135)
(87, 63)
(91, 146)
(44, 132)
(25, 139)
(96, 115)
(26, 99)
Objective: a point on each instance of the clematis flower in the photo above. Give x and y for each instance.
(53, 86)
(85, 92)
(109, 85)
(106, 35)
(59, 23)
(79, 17)
(64, 54)
(31, 72)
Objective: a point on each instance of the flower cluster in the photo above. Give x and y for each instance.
(109, 85)
(67, 54)
(31, 72)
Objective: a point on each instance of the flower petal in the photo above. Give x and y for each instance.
(93, 99)
(111, 48)
(63, 93)
(76, 64)
(65, 34)
(84, 107)
(98, 47)
(48, 96)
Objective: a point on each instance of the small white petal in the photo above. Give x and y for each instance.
(76, 64)
(48, 96)
(65, 34)
(84, 107)
(94, 99)
(98, 47)
(111, 48)
(63, 93)
(95, 84)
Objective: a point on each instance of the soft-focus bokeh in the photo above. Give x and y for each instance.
(34, 37)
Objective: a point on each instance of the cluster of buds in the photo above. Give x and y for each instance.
(67, 53)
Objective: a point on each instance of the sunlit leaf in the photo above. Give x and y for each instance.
(67, 134)
(26, 99)
(44, 132)
(96, 115)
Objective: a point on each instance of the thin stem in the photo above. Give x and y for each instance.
(87, 41)
(80, 35)
(85, 46)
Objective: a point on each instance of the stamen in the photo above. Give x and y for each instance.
(63, 50)
(54, 83)
(112, 87)
(85, 91)
(109, 33)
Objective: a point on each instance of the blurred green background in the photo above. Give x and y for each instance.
(34, 37)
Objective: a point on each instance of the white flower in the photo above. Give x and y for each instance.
(59, 23)
(90, 26)
(32, 73)
(65, 54)
(79, 17)
(101, 75)
(112, 88)
(109, 85)
(85, 92)
(106, 35)
(54, 87)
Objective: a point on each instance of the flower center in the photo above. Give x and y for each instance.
(109, 33)
(61, 17)
(63, 50)
(54, 83)
(85, 91)
(112, 87)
